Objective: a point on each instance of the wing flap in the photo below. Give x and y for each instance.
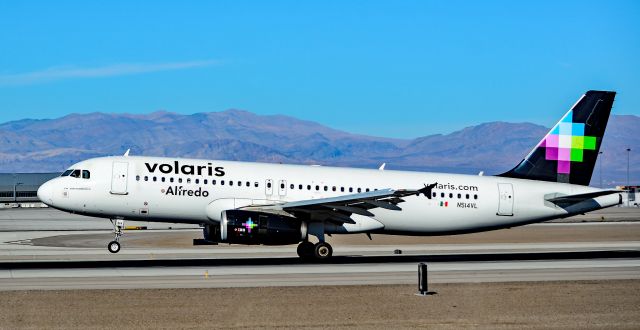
(340, 208)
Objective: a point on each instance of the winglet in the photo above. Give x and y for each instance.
(381, 168)
(126, 154)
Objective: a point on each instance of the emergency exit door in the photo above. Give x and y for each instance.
(119, 175)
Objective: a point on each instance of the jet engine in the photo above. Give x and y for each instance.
(250, 227)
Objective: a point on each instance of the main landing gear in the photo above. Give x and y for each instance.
(118, 225)
(318, 251)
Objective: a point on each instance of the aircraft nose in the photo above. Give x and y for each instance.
(45, 193)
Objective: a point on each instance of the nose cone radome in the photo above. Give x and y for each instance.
(45, 193)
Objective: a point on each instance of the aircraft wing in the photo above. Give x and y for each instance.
(339, 209)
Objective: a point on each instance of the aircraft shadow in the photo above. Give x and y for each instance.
(336, 260)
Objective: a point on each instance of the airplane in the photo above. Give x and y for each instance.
(279, 204)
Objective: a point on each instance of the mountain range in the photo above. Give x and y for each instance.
(53, 144)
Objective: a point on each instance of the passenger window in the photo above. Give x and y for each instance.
(450, 195)
(179, 180)
(459, 195)
(188, 180)
(222, 182)
(170, 179)
(67, 172)
(197, 181)
(248, 184)
(475, 196)
(230, 183)
(300, 186)
(342, 189)
(137, 178)
(255, 184)
(326, 188)
(359, 189)
(213, 182)
(442, 195)
(162, 179)
(75, 173)
(268, 184)
(146, 178)
(350, 189)
(367, 190)
(291, 186)
(155, 179)
(308, 187)
(467, 196)
(433, 194)
(205, 181)
(317, 188)
(281, 185)
(333, 188)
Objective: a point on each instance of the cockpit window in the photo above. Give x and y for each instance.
(86, 174)
(75, 173)
(67, 172)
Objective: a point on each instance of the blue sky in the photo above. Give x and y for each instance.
(387, 68)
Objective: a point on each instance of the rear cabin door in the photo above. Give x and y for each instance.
(505, 203)
(119, 174)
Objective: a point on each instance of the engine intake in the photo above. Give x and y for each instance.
(250, 227)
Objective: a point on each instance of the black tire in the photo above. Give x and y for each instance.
(322, 251)
(305, 250)
(113, 247)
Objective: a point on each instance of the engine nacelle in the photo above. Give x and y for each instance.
(249, 227)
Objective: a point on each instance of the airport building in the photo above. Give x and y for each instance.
(21, 189)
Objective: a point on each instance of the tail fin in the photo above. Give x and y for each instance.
(568, 152)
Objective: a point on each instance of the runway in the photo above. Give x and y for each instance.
(53, 259)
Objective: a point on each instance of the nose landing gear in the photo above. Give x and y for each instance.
(118, 225)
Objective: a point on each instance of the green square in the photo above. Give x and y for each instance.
(576, 155)
(590, 142)
(577, 142)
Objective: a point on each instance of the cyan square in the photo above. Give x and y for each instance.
(565, 128)
(568, 118)
(577, 129)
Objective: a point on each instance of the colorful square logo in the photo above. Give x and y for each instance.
(566, 143)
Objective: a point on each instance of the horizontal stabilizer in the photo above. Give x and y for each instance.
(572, 199)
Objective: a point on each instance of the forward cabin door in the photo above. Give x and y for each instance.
(282, 188)
(505, 203)
(119, 175)
(268, 186)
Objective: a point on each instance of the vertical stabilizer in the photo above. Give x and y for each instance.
(569, 151)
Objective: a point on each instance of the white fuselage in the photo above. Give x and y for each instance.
(128, 187)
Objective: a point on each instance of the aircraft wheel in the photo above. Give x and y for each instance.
(305, 249)
(322, 251)
(113, 247)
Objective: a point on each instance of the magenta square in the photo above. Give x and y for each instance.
(564, 154)
(564, 167)
(552, 153)
(553, 140)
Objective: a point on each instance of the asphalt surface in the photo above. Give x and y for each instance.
(59, 256)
